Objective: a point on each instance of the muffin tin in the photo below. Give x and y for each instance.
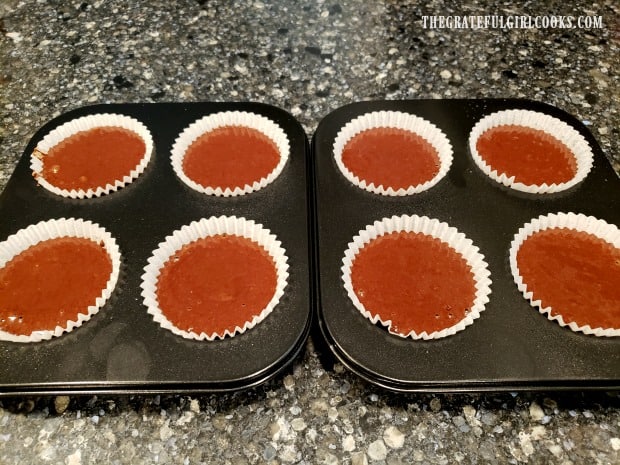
(315, 211)
(511, 346)
(121, 349)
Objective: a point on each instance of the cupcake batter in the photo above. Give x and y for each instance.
(50, 283)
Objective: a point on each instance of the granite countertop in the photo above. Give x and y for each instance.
(307, 58)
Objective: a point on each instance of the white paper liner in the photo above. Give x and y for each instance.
(85, 123)
(440, 230)
(396, 120)
(229, 118)
(52, 229)
(575, 221)
(204, 228)
(566, 134)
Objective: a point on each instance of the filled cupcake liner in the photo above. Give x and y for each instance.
(52, 229)
(396, 120)
(431, 227)
(86, 123)
(204, 228)
(575, 221)
(566, 134)
(229, 118)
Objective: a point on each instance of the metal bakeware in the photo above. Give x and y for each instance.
(121, 349)
(511, 346)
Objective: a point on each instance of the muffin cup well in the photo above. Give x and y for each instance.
(86, 123)
(555, 127)
(434, 228)
(57, 228)
(575, 221)
(204, 228)
(397, 120)
(229, 118)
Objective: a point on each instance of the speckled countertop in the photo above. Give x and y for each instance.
(308, 58)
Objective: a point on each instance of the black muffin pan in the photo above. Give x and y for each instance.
(511, 346)
(121, 349)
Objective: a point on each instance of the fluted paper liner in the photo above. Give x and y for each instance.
(575, 221)
(566, 134)
(230, 118)
(396, 120)
(204, 228)
(86, 123)
(431, 227)
(52, 229)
